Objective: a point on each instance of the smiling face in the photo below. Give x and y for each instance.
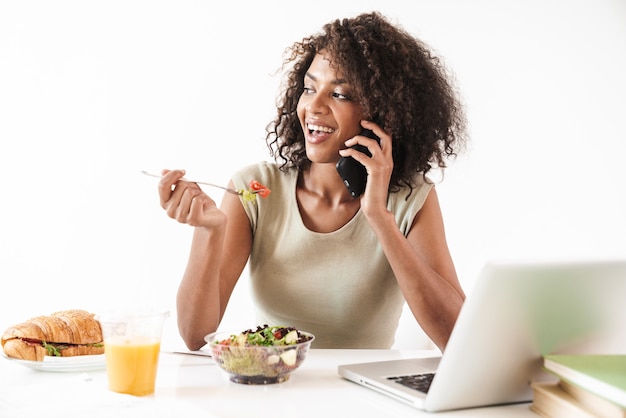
(327, 111)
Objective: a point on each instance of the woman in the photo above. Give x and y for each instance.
(322, 260)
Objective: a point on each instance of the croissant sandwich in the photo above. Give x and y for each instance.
(62, 334)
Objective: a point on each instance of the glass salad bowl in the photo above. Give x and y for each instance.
(265, 356)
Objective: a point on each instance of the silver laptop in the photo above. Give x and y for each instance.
(514, 314)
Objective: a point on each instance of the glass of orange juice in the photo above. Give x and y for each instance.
(132, 342)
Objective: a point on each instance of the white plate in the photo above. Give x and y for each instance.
(63, 364)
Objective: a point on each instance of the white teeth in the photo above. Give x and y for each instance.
(320, 128)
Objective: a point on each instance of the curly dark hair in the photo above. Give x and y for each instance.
(399, 83)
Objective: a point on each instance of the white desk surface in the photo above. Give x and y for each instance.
(194, 386)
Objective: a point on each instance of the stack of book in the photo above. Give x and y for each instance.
(588, 386)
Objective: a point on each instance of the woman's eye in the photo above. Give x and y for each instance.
(307, 90)
(341, 96)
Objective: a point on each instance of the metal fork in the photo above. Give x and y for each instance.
(228, 189)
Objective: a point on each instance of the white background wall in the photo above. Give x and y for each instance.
(93, 92)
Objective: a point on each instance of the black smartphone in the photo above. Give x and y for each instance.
(352, 172)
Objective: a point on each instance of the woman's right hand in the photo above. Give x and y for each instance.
(187, 203)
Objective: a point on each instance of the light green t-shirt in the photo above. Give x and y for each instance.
(338, 285)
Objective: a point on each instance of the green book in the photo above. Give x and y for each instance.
(602, 374)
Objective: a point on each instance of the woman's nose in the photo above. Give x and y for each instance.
(316, 104)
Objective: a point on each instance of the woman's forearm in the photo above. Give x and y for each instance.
(426, 276)
(198, 298)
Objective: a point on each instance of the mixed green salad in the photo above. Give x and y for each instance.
(266, 335)
(268, 351)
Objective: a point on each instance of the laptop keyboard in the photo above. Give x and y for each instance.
(420, 382)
